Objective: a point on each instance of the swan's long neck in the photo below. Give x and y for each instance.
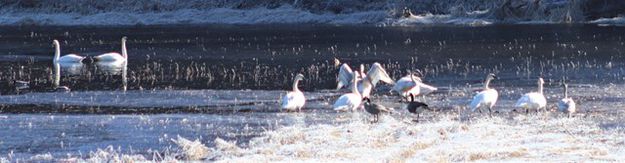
(540, 88)
(295, 84)
(487, 83)
(124, 52)
(57, 52)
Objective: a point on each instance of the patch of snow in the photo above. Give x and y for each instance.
(610, 21)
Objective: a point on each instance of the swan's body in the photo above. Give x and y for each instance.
(411, 84)
(294, 100)
(485, 98)
(375, 109)
(349, 101)
(533, 100)
(415, 107)
(566, 104)
(69, 58)
(114, 56)
(375, 74)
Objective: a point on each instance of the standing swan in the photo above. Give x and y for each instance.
(486, 98)
(566, 105)
(114, 56)
(533, 100)
(349, 101)
(69, 58)
(412, 85)
(294, 100)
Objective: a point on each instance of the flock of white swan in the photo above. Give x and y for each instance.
(361, 85)
(410, 86)
(110, 60)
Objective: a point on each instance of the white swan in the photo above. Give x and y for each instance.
(412, 85)
(566, 105)
(349, 101)
(294, 100)
(533, 100)
(486, 98)
(69, 58)
(365, 84)
(114, 56)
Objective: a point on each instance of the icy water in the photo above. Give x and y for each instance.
(220, 86)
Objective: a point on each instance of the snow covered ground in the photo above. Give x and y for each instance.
(471, 12)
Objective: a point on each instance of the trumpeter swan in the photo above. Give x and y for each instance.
(415, 107)
(294, 100)
(485, 98)
(349, 101)
(69, 58)
(412, 84)
(375, 74)
(375, 109)
(114, 56)
(533, 100)
(566, 104)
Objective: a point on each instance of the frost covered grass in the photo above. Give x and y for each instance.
(283, 15)
(132, 12)
(441, 138)
(522, 138)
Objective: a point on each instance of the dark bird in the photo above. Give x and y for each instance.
(415, 107)
(374, 109)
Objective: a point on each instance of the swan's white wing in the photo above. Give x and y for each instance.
(563, 106)
(288, 102)
(345, 76)
(347, 102)
(478, 99)
(532, 99)
(523, 101)
(293, 100)
(426, 89)
(403, 85)
(486, 97)
(377, 73)
(566, 105)
(112, 56)
(71, 58)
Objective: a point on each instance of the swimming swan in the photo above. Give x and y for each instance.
(69, 58)
(114, 56)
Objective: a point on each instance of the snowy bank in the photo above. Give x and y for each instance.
(389, 12)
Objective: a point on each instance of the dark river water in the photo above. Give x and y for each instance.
(205, 82)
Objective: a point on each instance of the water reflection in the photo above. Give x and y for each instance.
(111, 68)
(72, 69)
(115, 68)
